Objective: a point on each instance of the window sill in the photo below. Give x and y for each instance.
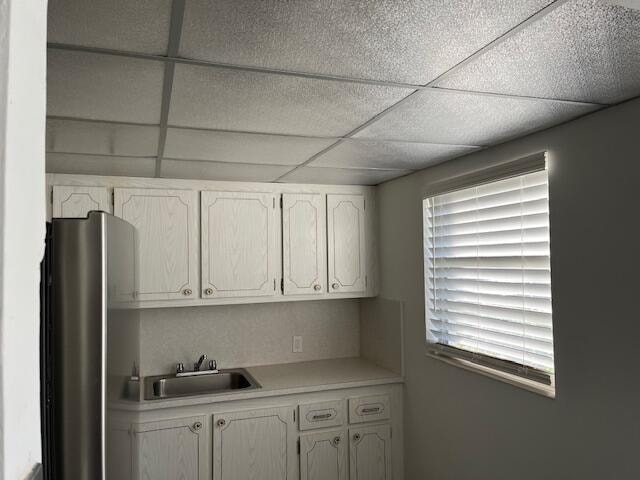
(548, 391)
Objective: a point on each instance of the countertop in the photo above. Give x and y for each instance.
(286, 379)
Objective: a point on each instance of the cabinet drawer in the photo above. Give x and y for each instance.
(321, 415)
(368, 409)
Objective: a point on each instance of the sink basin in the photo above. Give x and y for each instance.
(170, 386)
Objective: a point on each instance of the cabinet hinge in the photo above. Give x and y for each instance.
(294, 415)
(281, 202)
(274, 284)
(298, 447)
(274, 202)
(52, 196)
(113, 199)
(390, 432)
(364, 204)
(366, 281)
(282, 285)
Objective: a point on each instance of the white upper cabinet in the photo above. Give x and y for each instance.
(346, 243)
(167, 232)
(240, 257)
(304, 244)
(77, 202)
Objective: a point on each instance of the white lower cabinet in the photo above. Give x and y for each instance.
(323, 456)
(370, 453)
(170, 449)
(254, 445)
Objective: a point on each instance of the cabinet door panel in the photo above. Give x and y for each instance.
(77, 202)
(170, 450)
(323, 456)
(346, 243)
(239, 254)
(370, 453)
(167, 232)
(254, 445)
(304, 244)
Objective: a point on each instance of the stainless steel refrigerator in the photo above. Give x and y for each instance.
(89, 341)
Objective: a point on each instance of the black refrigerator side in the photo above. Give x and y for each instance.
(46, 362)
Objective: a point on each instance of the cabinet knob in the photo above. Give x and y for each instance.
(317, 288)
(187, 291)
(197, 426)
(357, 437)
(208, 291)
(335, 286)
(336, 440)
(222, 422)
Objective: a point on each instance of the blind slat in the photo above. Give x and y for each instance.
(487, 271)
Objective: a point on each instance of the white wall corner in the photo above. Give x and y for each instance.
(23, 32)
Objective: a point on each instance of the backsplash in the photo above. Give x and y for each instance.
(248, 335)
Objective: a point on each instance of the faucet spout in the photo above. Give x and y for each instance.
(198, 364)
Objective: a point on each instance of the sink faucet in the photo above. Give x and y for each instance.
(198, 364)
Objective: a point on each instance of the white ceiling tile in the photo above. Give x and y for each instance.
(69, 136)
(434, 116)
(103, 87)
(100, 165)
(223, 99)
(135, 26)
(405, 41)
(383, 154)
(585, 50)
(241, 147)
(342, 176)
(200, 170)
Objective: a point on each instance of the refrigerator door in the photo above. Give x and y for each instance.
(92, 275)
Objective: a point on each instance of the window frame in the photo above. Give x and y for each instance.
(513, 373)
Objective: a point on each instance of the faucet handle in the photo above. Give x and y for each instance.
(180, 367)
(213, 365)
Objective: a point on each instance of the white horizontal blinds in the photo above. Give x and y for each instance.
(487, 273)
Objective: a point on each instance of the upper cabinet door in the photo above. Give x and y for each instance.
(77, 202)
(239, 253)
(304, 244)
(166, 223)
(346, 243)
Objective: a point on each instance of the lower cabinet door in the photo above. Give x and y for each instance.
(370, 453)
(254, 445)
(323, 456)
(170, 450)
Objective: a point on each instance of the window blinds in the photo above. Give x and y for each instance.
(487, 275)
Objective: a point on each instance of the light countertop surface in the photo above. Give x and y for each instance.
(286, 379)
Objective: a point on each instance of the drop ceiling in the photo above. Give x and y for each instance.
(321, 91)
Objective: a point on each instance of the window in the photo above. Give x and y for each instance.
(488, 277)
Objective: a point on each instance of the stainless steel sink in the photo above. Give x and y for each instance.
(170, 386)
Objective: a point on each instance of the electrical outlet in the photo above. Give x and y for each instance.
(297, 344)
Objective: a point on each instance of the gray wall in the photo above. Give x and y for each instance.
(460, 425)
(248, 335)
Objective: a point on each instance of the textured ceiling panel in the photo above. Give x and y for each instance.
(378, 154)
(342, 176)
(135, 26)
(236, 100)
(405, 41)
(100, 165)
(199, 170)
(241, 147)
(585, 50)
(67, 136)
(103, 87)
(469, 119)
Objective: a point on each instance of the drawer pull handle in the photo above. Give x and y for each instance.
(357, 437)
(208, 291)
(197, 426)
(222, 422)
(187, 291)
(322, 416)
(336, 441)
(368, 410)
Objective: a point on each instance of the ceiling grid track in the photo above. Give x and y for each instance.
(509, 33)
(175, 33)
